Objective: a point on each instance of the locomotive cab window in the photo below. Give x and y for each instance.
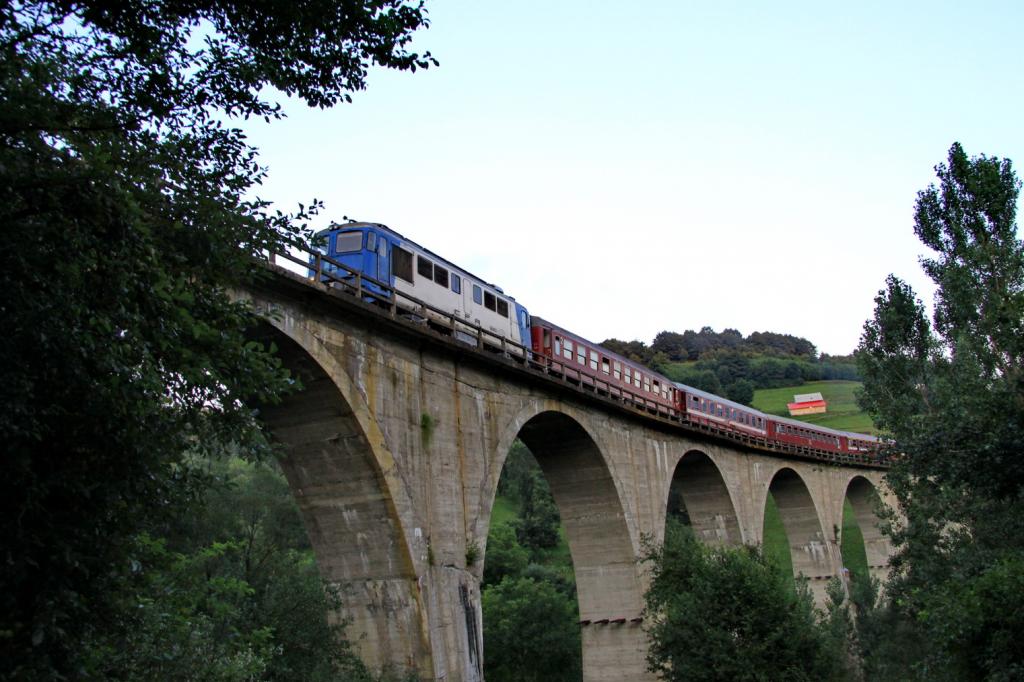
(502, 308)
(478, 295)
(371, 241)
(490, 302)
(348, 242)
(401, 264)
(424, 267)
(456, 283)
(441, 276)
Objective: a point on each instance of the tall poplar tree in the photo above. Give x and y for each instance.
(950, 393)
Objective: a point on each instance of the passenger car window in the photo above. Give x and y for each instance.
(424, 267)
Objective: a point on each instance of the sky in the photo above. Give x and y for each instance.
(623, 168)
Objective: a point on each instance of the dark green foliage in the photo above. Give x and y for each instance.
(727, 614)
(517, 471)
(740, 391)
(529, 589)
(531, 633)
(637, 351)
(703, 379)
(672, 345)
(505, 556)
(124, 200)
(231, 594)
(538, 524)
(952, 396)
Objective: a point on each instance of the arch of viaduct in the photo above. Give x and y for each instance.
(394, 447)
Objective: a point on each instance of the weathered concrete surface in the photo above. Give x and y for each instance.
(394, 449)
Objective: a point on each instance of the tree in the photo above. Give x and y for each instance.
(671, 344)
(231, 592)
(728, 614)
(537, 529)
(740, 391)
(505, 556)
(531, 633)
(124, 197)
(951, 396)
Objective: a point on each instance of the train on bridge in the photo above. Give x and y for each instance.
(388, 264)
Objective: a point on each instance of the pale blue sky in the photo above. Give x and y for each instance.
(624, 168)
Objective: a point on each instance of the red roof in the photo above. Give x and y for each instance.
(804, 406)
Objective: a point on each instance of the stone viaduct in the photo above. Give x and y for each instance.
(394, 447)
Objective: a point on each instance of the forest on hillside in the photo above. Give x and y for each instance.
(728, 364)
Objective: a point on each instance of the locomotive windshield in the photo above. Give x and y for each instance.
(347, 242)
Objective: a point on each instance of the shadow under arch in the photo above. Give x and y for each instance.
(348, 508)
(865, 500)
(699, 489)
(808, 544)
(603, 557)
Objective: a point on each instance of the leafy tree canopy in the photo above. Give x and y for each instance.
(950, 391)
(531, 633)
(729, 614)
(125, 198)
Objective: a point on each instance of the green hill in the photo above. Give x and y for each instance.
(843, 412)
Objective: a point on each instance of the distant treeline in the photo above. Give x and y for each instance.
(729, 364)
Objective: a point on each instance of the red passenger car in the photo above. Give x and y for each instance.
(577, 359)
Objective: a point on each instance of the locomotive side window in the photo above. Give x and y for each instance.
(371, 241)
(441, 276)
(478, 295)
(489, 301)
(456, 283)
(347, 242)
(424, 267)
(503, 308)
(401, 264)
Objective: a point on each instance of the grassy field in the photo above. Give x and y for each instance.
(843, 412)
(504, 511)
